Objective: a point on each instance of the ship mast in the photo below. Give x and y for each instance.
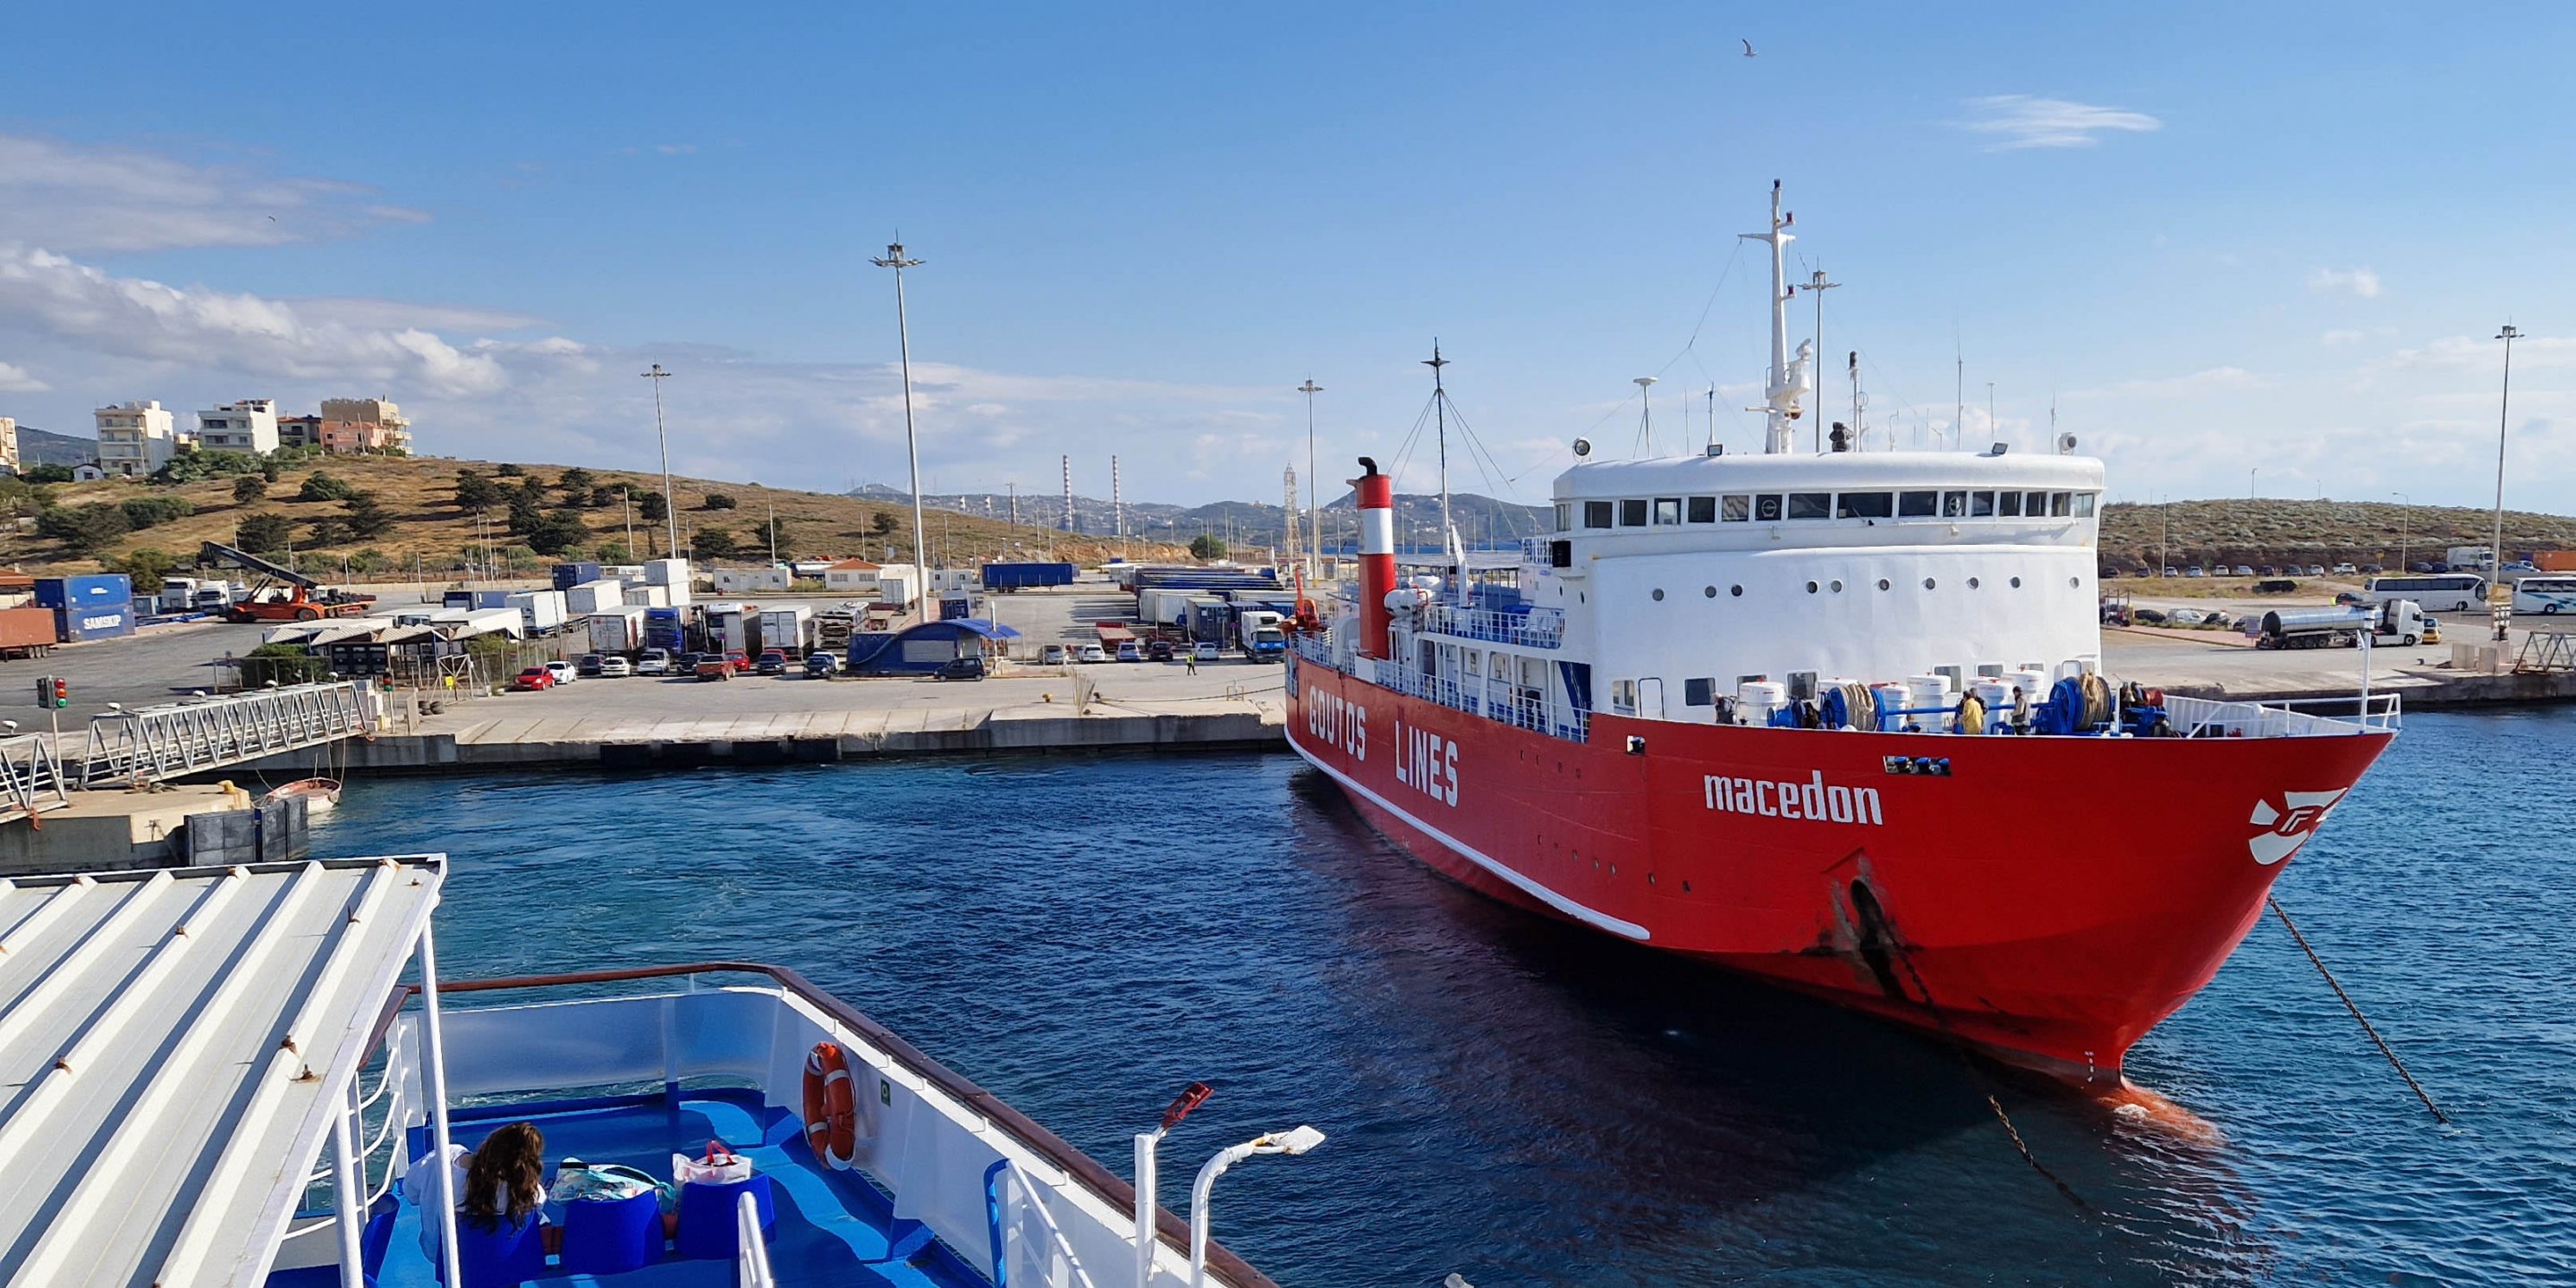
(1440, 415)
(1781, 406)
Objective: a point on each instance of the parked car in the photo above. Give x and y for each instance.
(590, 663)
(565, 672)
(2172, 572)
(2243, 571)
(1054, 655)
(533, 679)
(1205, 651)
(2432, 631)
(713, 666)
(2186, 617)
(2266, 570)
(968, 667)
(615, 667)
(2342, 570)
(822, 666)
(1092, 653)
(2352, 597)
(738, 660)
(1127, 652)
(655, 661)
(1158, 651)
(773, 661)
(2195, 572)
(2420, 566)
(2316, 570)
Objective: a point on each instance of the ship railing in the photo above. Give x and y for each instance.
(1317, 649)
(2284, 717)
(1508, 703)
(1538, 628)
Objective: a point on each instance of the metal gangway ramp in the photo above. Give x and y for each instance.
(150, 744)
(31, 780)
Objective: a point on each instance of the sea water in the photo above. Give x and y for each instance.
(1523, 1102)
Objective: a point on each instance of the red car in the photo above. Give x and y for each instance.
(533, 679)
(740, 663)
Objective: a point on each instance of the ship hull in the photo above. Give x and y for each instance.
(2047, 900)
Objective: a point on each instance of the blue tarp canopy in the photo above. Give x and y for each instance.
(924, 646)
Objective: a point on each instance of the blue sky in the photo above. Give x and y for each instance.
(2221, 241)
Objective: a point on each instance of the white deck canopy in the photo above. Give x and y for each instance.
(174, 1048)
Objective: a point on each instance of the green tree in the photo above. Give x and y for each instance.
(475, 493)
(249, 489)
(881, 524)
(717, 501)
(525, 515)
(775, 531)
(651, 507)
(145, 511)
(365, 516)
(507, 470)
(84, 528)
(576, 484)
(145, 565)
(1205, 547)
(327, 532)
(47, 473)
(369, 560)
(606, 495)
(265, 533)
(323, 485)
(559, 533)
(615, 552)
(518, 558)
(712, 543)
(270, 471)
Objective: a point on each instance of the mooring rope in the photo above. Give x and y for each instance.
(2358, 1017)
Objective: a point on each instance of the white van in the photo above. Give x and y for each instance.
(2451, 592)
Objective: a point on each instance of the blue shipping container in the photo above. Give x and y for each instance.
(84, 592)
(1014, 576)
(569, 575)
(492, 598)
(74, 624)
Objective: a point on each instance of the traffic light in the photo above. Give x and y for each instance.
(53, 692)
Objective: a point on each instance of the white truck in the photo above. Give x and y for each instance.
(2397, 620)
(790, 628)
(619, 630)
(1262, 634)
(542, 609)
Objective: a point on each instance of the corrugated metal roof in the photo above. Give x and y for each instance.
(172, 1046)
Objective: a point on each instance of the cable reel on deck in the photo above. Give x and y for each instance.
(2076, 704)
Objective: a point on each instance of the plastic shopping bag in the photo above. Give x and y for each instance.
(721, 1166)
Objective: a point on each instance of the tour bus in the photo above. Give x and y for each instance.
(2544, 594)
(2456, 592)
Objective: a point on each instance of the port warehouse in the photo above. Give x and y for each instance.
(668, 605)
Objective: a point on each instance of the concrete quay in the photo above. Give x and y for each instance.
(2203, 664)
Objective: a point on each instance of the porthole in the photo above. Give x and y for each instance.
(1972, 583)
(1927, 583)
(1737, 591)
(1659, 595)
(1811, 588)
(2074, 583)
(1882, 583)
(1837, 587)
(2016, 583)
(1710, 591)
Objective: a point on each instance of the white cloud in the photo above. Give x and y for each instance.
(2341, 338)
(367, 312)
(2363, 282)
(15, 380)
(2208, 381)
(2027, 121)
(107, 199)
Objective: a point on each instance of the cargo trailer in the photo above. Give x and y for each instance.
(619, 630)
(594, 597)
(569, 575)
(790, 628)
(27, 632)
(546, 611)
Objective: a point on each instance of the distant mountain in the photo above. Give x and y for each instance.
(1482, 520)
(45, 447)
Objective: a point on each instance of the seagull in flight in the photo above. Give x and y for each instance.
(1748, 48)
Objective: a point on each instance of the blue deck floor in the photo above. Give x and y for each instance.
(833, 1227)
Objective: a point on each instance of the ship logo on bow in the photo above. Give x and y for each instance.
(2282, 829)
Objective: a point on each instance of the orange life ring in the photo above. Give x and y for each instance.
(831, 1117)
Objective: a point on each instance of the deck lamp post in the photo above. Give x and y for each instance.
(1148, 1202)
(1296, 1140)
(2504, 412)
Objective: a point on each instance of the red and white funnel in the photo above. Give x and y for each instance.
(1375, 494)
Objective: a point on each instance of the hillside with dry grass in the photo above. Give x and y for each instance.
(417, 501)
(2324, 532)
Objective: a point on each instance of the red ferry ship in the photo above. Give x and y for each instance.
(1835, 718)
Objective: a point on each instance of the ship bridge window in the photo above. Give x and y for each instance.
(1954, 505)
(1864, 505)
(2084, 505)
(1699, 692)
(2060, 504)
(2034, 505)
(1596, 514)
(1811, 505)
(1668, 511)
(1981, 505)
(1703, 509)
(1564, 515)
(1917, 505)
(1766, 508)
(1735, 509)
(2008, 504)
(1632, 513)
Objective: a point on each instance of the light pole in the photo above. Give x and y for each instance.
(2250, 476)
(1148, 1202)
(894, 259)
(2504, 410)
(1817, 286)
(670, 507)
(1292, 1142)
(2405, 512)
(1314, 518)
